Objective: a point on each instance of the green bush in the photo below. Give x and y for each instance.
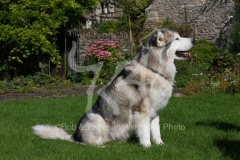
(28, 83)
(192, 83)
(28, 32)
(226, 61)
(226, 82)
(189, 73)
(204, 53)
(81, 77)
(209, 70)
(234, 45)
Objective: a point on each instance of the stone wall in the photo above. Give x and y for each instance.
(210, 17)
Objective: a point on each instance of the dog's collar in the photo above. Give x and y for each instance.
(155, 71)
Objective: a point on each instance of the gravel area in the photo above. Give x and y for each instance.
(46, 92)
(55, 92)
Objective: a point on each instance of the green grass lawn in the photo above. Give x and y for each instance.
(195, 127)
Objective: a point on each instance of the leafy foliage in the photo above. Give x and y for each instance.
(235, 39)
(226, 82)
(28, 29)
(225, 61)
(204, 52)
(189, 73)
(209, 70)
(134, 13)
(28, 83)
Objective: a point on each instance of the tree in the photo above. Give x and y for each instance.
(28, 29)
(133, 16)
(234, 44)
(134, 10)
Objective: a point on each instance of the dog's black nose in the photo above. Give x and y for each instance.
(193, 40)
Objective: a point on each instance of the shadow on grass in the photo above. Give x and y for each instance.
(229, 148)
(220, 126)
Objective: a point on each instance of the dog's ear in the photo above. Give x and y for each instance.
(164, 37)
(152, 41)
(160, 40)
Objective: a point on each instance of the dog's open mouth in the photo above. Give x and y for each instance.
(183, 54)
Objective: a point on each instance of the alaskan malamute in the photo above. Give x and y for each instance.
(131, 102)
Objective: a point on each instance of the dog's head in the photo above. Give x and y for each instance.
(176, 47)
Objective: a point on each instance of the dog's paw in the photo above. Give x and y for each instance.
(159, 142)
(146, 144)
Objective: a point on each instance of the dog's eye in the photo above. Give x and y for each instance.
(177, 39)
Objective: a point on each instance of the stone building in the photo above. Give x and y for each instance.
(212, 18)
(105, 10)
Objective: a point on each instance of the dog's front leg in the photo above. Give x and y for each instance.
(142, 122)
(155, 131)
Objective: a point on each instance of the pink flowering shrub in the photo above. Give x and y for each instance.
(104, 50)
(108, 54)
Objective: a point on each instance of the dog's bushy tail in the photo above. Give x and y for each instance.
(51, 132)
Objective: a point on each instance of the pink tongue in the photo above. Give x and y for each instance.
(187, 54)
